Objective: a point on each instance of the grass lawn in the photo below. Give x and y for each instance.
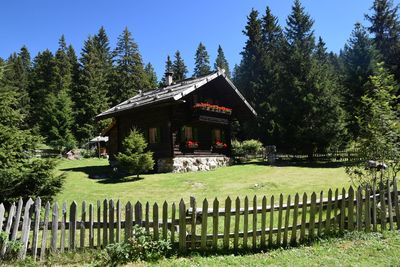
(90, 180)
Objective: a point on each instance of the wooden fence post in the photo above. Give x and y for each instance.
(287, 216)
(374, 213)
(263, 221)
(293, 238)
(91, 222)
(204, 219)
(16, 220)
(138, 213)
(396, 203)
(312, 215)
(118, 234)
(193, 225)
(111, 212)
(389, 202)
(147, 218)
(367, 210)
(303, 218)
(105, 223)
(271, 221)
(128, 221)
(182, 226)
(254, 239)
(35, 237)
(320, 212)
(359, 208)
(63, 226)
(165, 221)
(173, 215)
(54, 228)
(215, 223)
(350, 210)
(25, 229)
(328, 213)
(227, 222)
(45, 231)
(342, 211)
(280, 210)
(383, 206)
(82, 226)
(156, 228)
(72, 225)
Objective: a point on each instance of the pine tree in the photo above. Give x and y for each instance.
(379, 129)
(129, 73)
(22, 174)
(221, 62)
(358, 59)
(134, 159)
(105, 57)
(202, 62)
(179, 68)
(168, 69)
(314, 120)
(41, 85)
(385, 28)
(91, 99)
(151, 75)
(58, 119)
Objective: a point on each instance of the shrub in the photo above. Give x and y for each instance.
(13, 247)
(141, 247)
(252, 147)
(134, 159)
(237, 148)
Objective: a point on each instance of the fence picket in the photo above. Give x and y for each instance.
(173, 212)
(165, 221)
(335, 221)
(63, 226)
(45, 230)
(237, 224)
(383, 207)
(105, 223)
(82, 226)
(91, 229)
(280, 211)
(320, 212)
(328, 213)
(374, 213)
(303, 218)
(128, 221)
(263, 220)
(359, 209)
(111, 213)
(138, 213)
(72, 225)
(193, 226)
(312, 215)
(350, 209)
(367, 210)
(2, 212)
(396, 203)
(98, 224)
(342, 210)
(54, 228)
(147, 218)
(271, 221)
(118, 233)
(35, 237)
(204, 225)
(293, 238)
(16, 220)
(25, 228)
(7, 231)
(227, 222)
(287, 216)
(245, 221)
(156, 225)
(389, 204)
(254, 239)
(182, 226)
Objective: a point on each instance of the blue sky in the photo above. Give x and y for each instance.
(161, 27)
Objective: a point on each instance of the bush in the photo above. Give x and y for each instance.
(13, 247)
(141, 247)
(247, 147)
(134, 159)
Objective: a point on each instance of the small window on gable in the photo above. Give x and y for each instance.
(154, 135)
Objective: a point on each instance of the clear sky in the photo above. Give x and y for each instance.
(161, 27)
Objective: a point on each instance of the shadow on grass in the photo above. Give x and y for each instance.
(104, 174)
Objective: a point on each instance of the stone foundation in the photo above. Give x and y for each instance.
(192, 164)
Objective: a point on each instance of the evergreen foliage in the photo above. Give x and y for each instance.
(134, 159)
(379, 122)
(151, 76)
(385, 28)
(202, 62)
(129, 74)
(179, 68)
(221, 62)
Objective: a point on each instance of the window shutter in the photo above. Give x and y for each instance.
(158, 135)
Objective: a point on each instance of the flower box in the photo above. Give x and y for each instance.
(192, 144)
(213, 108)
(220, 145)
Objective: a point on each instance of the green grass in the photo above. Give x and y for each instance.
(240, 180)
(355, 249)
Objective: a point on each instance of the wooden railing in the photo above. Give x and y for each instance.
(329, 156)
(259, 223)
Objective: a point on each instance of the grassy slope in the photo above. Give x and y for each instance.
(233, 181)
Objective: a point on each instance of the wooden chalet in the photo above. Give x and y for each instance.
(187, 124)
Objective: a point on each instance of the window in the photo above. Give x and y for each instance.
(217, 135)
(188, 133)
(154, 135)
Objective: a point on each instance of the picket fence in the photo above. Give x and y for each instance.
(328, 156)
(238, 224)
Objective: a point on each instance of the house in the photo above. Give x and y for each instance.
(187, 124)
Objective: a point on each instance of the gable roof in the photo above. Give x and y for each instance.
(170, 93)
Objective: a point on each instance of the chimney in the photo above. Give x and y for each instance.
(168, 78)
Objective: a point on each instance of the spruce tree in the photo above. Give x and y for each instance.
(221, 62)
(167, 69)
(202, 62)
(310, 118)
(151, 76)
(358, 59)
(179, 68)
(91, 98)
(385, 29)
